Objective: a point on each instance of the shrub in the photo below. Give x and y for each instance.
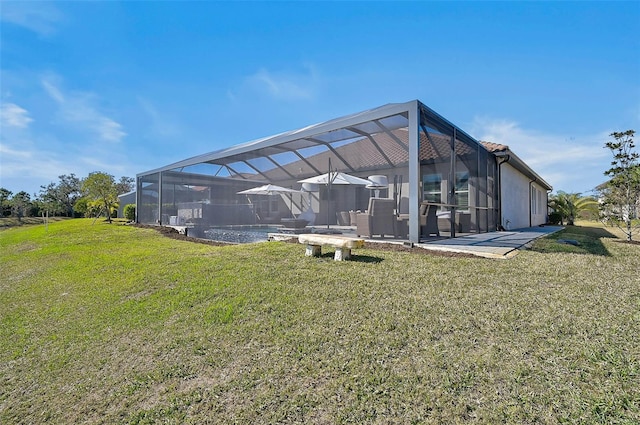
(555, 218)
(130, 212)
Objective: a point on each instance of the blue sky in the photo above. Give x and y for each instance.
(124, 87)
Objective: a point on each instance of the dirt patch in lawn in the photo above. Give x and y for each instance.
(172, 233)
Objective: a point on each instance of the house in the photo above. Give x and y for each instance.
(124, 200)
(517, 182)
(622, 211)
(408, 152)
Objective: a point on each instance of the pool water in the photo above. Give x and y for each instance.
(240, 234)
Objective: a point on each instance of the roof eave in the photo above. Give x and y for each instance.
(518, 164)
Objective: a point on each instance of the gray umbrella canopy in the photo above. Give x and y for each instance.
(268, 189)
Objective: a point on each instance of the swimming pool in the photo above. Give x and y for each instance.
(240, 234)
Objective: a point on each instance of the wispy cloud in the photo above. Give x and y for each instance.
(79, 109)
(29, 161)
(282, 85)
(28, 167)
(12, 115)
(52, 90)
(570, 162)
(42, 18)
(91, 163)
(160, 124)
(53, 131)
(7, 151)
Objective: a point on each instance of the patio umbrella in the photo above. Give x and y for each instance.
(335, 177)
(268, 189)
(271, 189)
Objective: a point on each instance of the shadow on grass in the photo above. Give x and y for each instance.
(357, 258)
(575, 239)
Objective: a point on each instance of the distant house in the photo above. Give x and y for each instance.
(432, 170)
(124, 200)
(630, 211)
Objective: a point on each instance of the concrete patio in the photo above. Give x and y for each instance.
(503, 244)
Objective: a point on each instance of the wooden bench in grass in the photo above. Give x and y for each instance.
(342, 244)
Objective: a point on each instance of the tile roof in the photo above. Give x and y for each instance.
(362, 154)
(494, 147)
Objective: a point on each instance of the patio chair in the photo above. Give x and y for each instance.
(353, 218)
(269, 218)
(462, 222)
(428, 220)
(379, 219)
(343, 219)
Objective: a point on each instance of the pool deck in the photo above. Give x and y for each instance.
(501, 245)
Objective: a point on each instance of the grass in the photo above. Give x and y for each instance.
(590, 237)
(6, 222)
(115, 324)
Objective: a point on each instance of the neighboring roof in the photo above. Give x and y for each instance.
(122, 195)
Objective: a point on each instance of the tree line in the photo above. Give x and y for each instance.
(71, 196)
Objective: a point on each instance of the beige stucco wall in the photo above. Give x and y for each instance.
(516, 200)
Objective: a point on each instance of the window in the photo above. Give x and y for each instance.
(537, 201)
(542, 207)
(432, 188)
(462, 190)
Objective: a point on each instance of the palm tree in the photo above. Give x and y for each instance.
(570, 205)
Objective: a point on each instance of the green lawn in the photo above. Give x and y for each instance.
(14, 222)
(115, 324)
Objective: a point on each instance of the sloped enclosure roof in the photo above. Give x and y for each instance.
(361, 141)
(364, 141)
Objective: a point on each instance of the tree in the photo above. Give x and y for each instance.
(621, 194)
(82, 206)
(5, 203)
(21, 204)
(571, 205)
(125, 185)
(60, 198)
(101, 188)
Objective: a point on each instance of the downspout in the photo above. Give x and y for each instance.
(505, 158)
(530, 190)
